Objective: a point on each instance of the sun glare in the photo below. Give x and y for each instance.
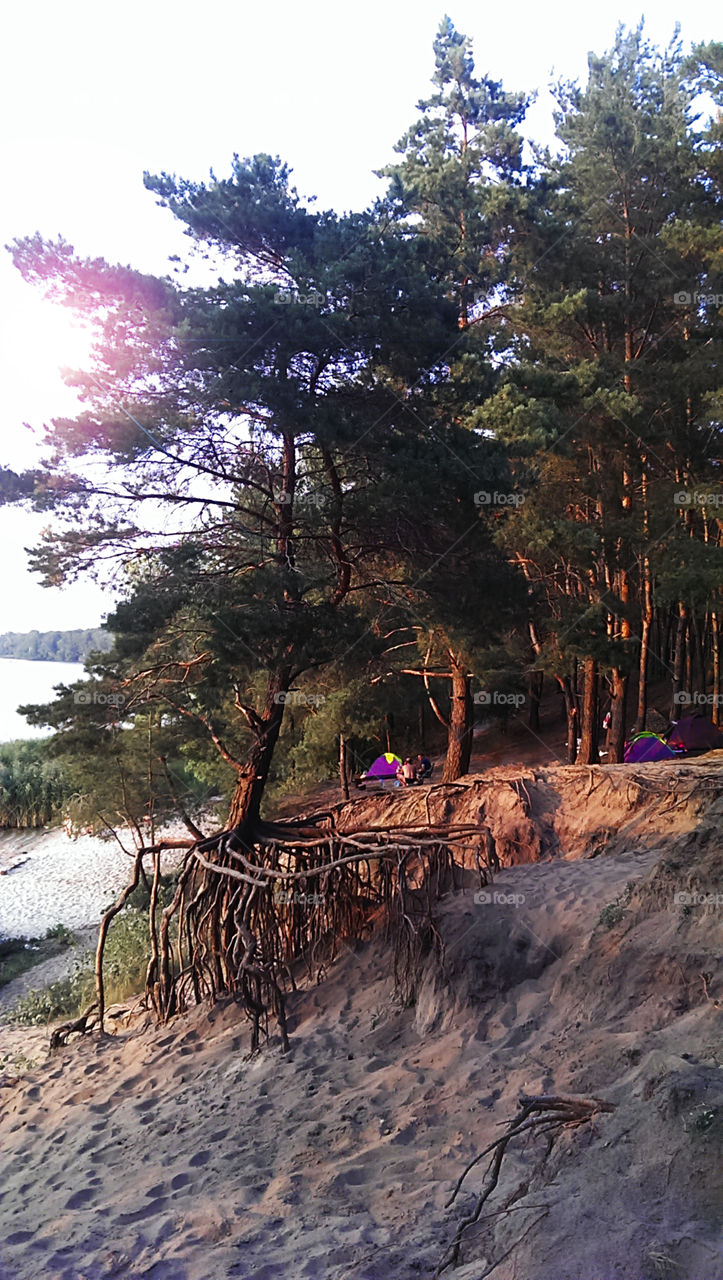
(40, 339)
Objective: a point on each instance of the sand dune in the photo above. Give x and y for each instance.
(173, 1155)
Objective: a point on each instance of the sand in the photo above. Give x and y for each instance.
(48, 878)
(172, 1154)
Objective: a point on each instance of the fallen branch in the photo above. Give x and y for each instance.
(546, 1113)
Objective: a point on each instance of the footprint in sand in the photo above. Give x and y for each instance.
(148, 1211)
(376, 1064)
(200, 1159)
(80, 1199)
(19, 1237)
(518, 1035)
(100, 1108)
(180, 1181)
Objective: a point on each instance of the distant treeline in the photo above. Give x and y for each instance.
(54, 646)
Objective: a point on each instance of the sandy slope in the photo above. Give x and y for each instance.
(173, 1156)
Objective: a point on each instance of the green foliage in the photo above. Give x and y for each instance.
(66, 998)
(444, 427)
(17, 955)
(613, 913)
(34, 788)
(125, 962)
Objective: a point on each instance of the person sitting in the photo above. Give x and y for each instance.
(423, 771)
(405, 772)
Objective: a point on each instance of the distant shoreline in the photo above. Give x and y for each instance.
(60, 662)
(55, 646)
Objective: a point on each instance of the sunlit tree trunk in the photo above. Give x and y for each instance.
(589, 752)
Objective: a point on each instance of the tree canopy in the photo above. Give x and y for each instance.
(469, 435)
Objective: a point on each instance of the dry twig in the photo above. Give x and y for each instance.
(546, 1113)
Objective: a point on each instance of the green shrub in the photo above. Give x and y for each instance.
(65, 998)
(33, 787)
(125, 961)
(17, 955)
(611, 915)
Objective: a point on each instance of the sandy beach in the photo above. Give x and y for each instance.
(48, 878)
(172, 1154)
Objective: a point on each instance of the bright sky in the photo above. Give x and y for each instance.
(93, 94)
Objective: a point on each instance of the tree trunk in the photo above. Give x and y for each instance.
(459, 741)
(647, 622)
(253, 773)
(534, 689)
(641, 714)
(715, 645)
(679, 658)
(698, 680)
(343, 770)
(589, 753)
(568, 694)
(618, 709)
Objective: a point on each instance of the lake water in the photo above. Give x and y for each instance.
(23, 682)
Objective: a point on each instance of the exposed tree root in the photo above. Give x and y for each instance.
(545, 1113)
(78, 1026)
(248, 909)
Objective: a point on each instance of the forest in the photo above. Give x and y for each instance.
(424, 459)
(54, 646)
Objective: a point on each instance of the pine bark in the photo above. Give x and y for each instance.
(589, 752)
(459, 741)
(253, 774)
(618, 709)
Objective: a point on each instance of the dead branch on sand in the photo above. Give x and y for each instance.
(546, 1113)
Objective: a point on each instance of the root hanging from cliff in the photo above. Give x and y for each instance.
(249, 911)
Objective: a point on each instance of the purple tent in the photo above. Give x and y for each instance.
(648, 746)
(696, 733)
(384, 766)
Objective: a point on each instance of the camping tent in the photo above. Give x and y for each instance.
(385, 766)
(648, 746)
(695, 733)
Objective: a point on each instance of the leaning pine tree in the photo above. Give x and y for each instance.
(251, 483)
